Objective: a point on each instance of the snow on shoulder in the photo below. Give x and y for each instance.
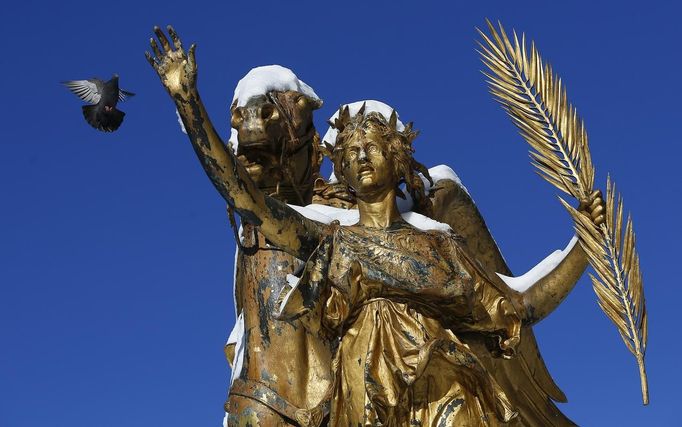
(261, 80)
(327, 214)
(442, 173)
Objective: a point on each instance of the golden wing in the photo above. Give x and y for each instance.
(525, 378)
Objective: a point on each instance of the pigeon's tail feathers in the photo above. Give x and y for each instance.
(90, 114)
(124, 94)
(106, 121)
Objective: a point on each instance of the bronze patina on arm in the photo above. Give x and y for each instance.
(178, 72)
(421, 329)
(281, 371)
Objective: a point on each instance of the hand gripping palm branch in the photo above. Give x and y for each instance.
(536, 101)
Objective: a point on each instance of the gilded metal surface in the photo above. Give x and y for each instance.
(278, 151)
(399, 311)
(277, 145)
(427, 333)
(244, 390)
(526, 371)
(536, 100)
(281, 354)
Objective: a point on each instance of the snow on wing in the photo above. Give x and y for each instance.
(527, 371)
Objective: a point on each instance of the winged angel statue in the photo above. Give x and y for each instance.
(386, 301)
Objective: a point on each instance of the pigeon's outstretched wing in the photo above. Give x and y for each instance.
(124, 95)
(524, 378)
(89, 91)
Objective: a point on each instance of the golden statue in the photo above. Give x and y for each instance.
(390, 323)
(274, 375)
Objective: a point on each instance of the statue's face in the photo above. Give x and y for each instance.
(367, 164)
(263, 133)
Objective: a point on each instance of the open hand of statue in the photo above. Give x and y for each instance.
(594, 207)
(177, 69)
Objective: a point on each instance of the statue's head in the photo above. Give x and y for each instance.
(371, 155)
(277, 142)
(273, 132)
(268, 121)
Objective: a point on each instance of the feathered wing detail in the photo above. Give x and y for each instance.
(536, 101)
(89, 91)
(524, 378)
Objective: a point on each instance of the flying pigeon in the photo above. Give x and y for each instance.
(103, 115)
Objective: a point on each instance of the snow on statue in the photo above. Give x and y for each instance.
(455, 345)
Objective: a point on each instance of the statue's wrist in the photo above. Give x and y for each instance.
(185, 97)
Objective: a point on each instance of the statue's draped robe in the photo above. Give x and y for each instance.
(397, 297)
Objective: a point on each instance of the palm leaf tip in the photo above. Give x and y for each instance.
(618, 282)
(536, 101)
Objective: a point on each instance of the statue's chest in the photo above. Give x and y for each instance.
(264, 270)
(260, 277)
(395, 258)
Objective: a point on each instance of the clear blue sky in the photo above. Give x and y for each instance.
(115, 251)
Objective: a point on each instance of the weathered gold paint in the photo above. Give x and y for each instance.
(487, 349)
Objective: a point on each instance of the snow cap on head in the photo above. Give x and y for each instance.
(261, 80)
(353, 108)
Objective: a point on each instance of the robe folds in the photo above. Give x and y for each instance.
(396, 299)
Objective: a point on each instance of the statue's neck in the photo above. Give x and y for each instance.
(378, 211)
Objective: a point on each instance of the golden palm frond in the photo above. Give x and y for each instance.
(618, 279)
(535, 99)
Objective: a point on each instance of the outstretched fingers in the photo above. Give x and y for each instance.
(163, 39)
(190, 57)
(174, 36)
(155, 47)
(151, 60)
(176, 68)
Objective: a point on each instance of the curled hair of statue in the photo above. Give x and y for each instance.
(399, 144)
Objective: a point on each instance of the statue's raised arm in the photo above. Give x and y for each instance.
(282, 225)
(546, 294)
